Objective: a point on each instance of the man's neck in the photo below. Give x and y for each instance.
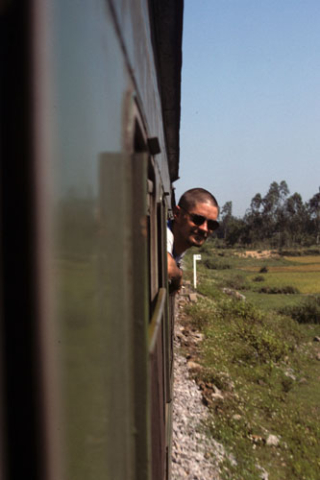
(180, 245)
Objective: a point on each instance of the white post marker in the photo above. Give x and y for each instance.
(195, 258)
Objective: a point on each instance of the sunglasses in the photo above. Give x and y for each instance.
(200, 219)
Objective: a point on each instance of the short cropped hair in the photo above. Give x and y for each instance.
(197, 195)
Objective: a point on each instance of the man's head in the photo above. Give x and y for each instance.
(195, 218)
(197, 195)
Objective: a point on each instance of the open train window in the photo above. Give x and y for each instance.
(154, 220)
(153, 236)
(162, 251)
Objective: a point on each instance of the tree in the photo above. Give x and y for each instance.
(226, 215)
(277, 219)
(314, 213)
(273, 210)
(256, 203)
(236, 232)
(295, 218)
(226, 210)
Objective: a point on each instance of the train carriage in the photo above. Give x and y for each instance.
(90, 113)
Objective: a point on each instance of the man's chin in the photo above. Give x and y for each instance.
(197, 241)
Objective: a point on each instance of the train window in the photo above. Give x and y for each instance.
(162, 251)
(140, 146)
(153, 241)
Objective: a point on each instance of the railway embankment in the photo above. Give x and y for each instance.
(246, 390)
(195, 456)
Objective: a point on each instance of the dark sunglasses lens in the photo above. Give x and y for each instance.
(213, 225)
(198, 219)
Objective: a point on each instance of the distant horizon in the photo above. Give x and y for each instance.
(250, 111)
(178, 195)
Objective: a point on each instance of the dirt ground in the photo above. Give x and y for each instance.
(258, 254)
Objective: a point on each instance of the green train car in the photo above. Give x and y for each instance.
(90, 114)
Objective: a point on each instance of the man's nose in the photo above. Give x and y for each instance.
(204, 226)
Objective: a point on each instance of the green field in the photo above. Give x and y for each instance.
(266, 364)
(231, 270)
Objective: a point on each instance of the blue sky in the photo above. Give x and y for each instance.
(250, 98)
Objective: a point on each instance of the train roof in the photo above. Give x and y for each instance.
(166, 17)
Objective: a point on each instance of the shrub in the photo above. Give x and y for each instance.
(201, 312)
(307, 312)
(289, 290)
(209, 289)
(237, 282)
(312, 251)
(259, 278)
(207, 247)
(253, 340)
(291, 253)
(300, 252)
(216, 264)
(264, 269)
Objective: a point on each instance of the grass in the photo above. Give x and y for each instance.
(266, 366)
(301, 273)
(273, 302)
(307, 282)
(315, 259)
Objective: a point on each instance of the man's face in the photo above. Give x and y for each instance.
(194, 235)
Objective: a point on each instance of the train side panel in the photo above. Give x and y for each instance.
(99, 358)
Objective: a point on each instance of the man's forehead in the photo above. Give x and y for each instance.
(204, 207)
(203, 204)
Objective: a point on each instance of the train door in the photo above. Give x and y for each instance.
(160, 346)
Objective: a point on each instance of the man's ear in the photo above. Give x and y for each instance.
(176, 212)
